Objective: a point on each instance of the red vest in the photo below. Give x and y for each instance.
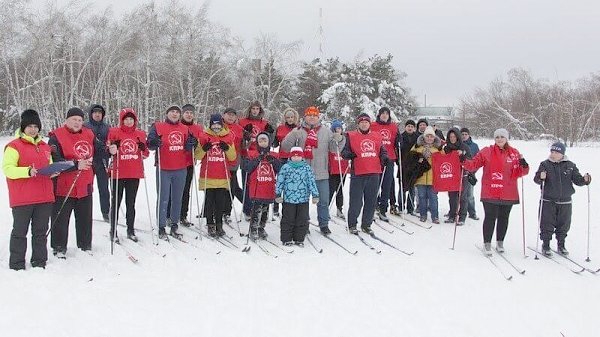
(280, 134)
(130, 164)
(213, 162)
(236, 131)
(262, 179)
(34, 190)
(195, 130)
(337, 163)
(258, 125)
(367, 148)
(75, 146)
(388, 132)
(173, 155)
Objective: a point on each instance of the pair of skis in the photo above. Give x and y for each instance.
(502, 270)
(566, 262)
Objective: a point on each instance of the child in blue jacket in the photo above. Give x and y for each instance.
(295, 184)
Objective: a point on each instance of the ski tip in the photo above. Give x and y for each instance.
(356, 252)
(509, 278)
(320, 250)
(522, 272)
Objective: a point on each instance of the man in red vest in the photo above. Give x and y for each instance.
(365, 148)
(73, 187)
(230, 119)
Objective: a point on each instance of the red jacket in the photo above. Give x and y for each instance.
(501, 169)
(75, 146)
(130, 164)
(262, 178)
(258, 125)
(367, 148)
(236, 131)
(173, 155)
(33, 190)
(280, 134)
(389, 135)
(337, 163)
(213, 162)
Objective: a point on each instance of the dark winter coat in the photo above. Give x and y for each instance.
(414, 169)
(560, 177)
(100, 130)
(472, 146)
(459, 145)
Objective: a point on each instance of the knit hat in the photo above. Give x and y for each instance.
(97, 108)
(335, 124)
(384, 109)
(429, 131)
(215, 119)
(312, 111)
(75, 112)
(410, 122)
(263, 135)
(230, 111)
(465, 130)
(501, 133)
(558, 147)
(423, 120)
(188, 107)
(296, 151)
(29, 117)
(363, 117)
(174, 107)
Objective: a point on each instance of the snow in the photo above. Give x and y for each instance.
(192, 291)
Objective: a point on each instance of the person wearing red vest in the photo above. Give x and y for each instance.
(252, 124)
(230, 120)
(338, 169)
(365, 148)
(194, 129)
(215, 149)
(262, 166)
(390, 137)
(502, 166)
(290, 122)
(127, 146)
(73, 187)
(172, 144)
(30, 194)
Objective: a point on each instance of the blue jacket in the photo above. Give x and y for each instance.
(100, 130)
(296, 183)
(473, 147)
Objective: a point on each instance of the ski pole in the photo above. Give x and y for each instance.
(523, 212)
(588, 224)
(458, 208)
(403, 205)
(340, 186)
(115, 199)
(148, 204)
(63, 203)
(244, 191)
(537, 240)
(196, 192)
(202, 222)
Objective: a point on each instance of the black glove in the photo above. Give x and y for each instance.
(224, 146)
(472, 179)
(141, 146)
(206, 146)
(523, 163)
(117, 142)
(462, 158)
(269, 158)
(249, 128)
(191, 142)
(385, 161)
(352, 155)
(156, 142)
(269, 128)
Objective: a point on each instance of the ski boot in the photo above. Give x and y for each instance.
(474, 217)
(487, 249)
(262, 233)
(212, 230)
(450, 220)
(340, 214)
(185, 223)
(382, 216)
(546, 249)
(435, 221)
(254, 234)
(162, 234)
(367, 229)
(352, 230)
(561, 248)
(394, 210)
(299, 244)
(131, 236)
(174, 233)
(60, 253)
(105, 217)
(226, 218)
(325, 230)
(500, 246)
(288, 243)
(113, 237)
(220, 230)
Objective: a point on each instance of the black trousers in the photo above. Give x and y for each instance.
(363, 191)
(556, 219)
(294, 222)
(39, 216)
(334, 183)
(259, 214)
(185, 198)
(495, 216)
(236, 190)
(214, 205)
(130, 187)
(83, 223)
(457, 205)
(102, 184)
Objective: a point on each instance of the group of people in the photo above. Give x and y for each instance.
(292, 164)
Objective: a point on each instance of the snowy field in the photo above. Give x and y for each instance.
(179, 289)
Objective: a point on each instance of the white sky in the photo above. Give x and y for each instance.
(447, 48)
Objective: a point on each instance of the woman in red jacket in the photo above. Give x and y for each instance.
(502, 166)
(127, 145)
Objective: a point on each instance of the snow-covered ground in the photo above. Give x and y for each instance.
(188, 290)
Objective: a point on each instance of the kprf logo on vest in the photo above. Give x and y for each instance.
(497, 176)
(367, 148)
(265, 172)
(215, 154)
(82, 149)
(175, 139)
(129, 150)
(446, 170)
(385, 134)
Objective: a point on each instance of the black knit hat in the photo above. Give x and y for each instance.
(75, 111)
(423, 120)
(29, 117)
(173, 107)
(188, 107)
(215, 119)
(384, 109)
(230, 110)
(465, 130)
(410, 122)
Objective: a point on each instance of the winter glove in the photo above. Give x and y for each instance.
(116, 142)
(224, 146)
(191, 143)
(472, 179)
(269, 158)
(315, 200)
(385, 161)
(337, 137)
(156, 142)
(462, 158)
(543, 175)
(141, 146)
(206, 146)
(279, 200)
(269, 128)
(587, 178)
(248, 128)
(352, 155)
(523, 163)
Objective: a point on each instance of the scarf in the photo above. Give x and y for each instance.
(296, 164)
(311, 142)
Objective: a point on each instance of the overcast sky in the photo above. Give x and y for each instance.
(447, 48)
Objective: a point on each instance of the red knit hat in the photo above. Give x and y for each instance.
(312, 111)
(296, 151)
